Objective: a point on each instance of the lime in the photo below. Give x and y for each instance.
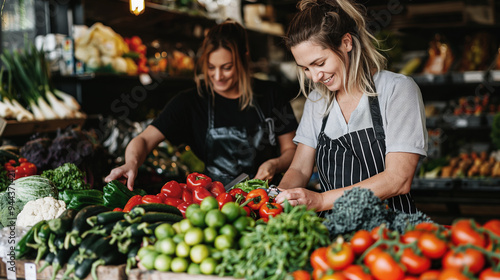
(231, 210)
(178, 238)
(164, 230)
(165, 246)
(241, 223)
(209, 234)
(197, 217)
(184, 225)
(243, 212)
(162, 262)
(230, 230)
(179, 265)
(208, 265)
(190, 209)
(193, 236)
(148, 259)
(182, 249)
(145, 250)
(194, 268)
(177, 227)
(223, 242)
(199, 252)
(215, 218)
(209, 203)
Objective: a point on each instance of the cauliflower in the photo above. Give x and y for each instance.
(45, 208)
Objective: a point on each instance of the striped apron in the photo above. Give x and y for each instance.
(355, 157)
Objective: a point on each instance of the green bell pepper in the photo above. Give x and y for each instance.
(116, 194)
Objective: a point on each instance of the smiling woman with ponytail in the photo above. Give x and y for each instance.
(362, 126)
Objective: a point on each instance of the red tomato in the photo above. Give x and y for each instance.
(410, 278)
(432, 246)
(150, 198)
(463, 232)
(452, 274)
(411, 236)
(172, 189)
(339, 255)
(334, 276)
(414, 263)
(187, 195)
(371, 255)
(256, 198)
(182, 207)
(270, 210)
(172, 201)
(493, 226)
(356, 272)
(375, 233)
(301, 275)
(471, 258)
(360, 241)
(318, 259)
(224, 198)
(216, 188)
(430, 275)
(489, 274)
(318, 273)
(385, 268)
(427, 226)
(199, 194)
(135, 41)
(237, 191)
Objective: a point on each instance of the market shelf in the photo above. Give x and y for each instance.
(15, 128)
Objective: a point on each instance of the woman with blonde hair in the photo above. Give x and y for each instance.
(362, 126)
(233, 122)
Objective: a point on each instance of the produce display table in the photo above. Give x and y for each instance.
(139, 274)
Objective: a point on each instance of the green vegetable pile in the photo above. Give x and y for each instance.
(250, 185)
(272, 250)
(359, 208)
(67, 176)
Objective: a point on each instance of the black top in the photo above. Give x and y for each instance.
(184, 120)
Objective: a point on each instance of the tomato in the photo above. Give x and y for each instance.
(318, 259)
(339, 255)
(133, 201)
(224, 198)
(256, 198)
(199, 194)
(375, 233)
(187, 196)
(237, 191)
(432, 246)
(216, 188)
(463, 232)
(385, 268)
(471, 258)
(334, 276)
(150, 198)
(172, 189)
(430, 275)
(371, 255)
(489, 274)
(360, 241)
(196, 179)
(172, 201)
(270, 210)
(356, 272)
(493, 226)
(414, 263)
(135, 41)
(301, 275)
(410, 278)
(411, 236)
(427, 226)
(452, 274)
(317, 273)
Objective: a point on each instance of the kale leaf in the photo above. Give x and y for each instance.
(67, 176)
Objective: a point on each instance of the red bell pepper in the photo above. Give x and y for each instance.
(224, 198)
(196, 179)
(270, 209)
(183, 186)
(173, 201)
(187, 196)
(150, 198)
(117, 209)
(216, 188)
(238, 194)
(133, 201)
(256, 198)
(172, 189)
(199, 194)
(182, 207)
(21, 168)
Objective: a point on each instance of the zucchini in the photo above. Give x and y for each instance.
(131, 258)
(60, 260)
(62, 224)
(59, 241)
(154, 217)
(73, 261)
(43, 235)
(48, 261)
(80, 224)
(83, 269)
(109, 258)
(106, 218)
(88, 242)
(22, 247)
(159, 207)
(100, 246)
(102, 230)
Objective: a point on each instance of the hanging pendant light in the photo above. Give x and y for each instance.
(137, 7)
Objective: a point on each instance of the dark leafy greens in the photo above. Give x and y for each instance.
(67, 176)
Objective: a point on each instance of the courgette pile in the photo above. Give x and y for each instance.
(82, 240)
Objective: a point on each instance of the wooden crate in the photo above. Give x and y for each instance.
(140, 274)
(13, 128)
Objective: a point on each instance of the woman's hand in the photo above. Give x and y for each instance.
(266, 170)
(126, 172)
(296, 196)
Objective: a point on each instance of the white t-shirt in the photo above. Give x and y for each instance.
(402, 110)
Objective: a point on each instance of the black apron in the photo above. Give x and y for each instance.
(234, 150)
(355, 157)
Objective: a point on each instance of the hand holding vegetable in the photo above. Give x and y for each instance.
(296, 196)
(267, 170)
(126, 172)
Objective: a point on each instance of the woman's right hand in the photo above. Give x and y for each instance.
(126, 172)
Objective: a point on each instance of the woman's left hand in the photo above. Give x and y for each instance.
(266, 170)
(296, 196)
